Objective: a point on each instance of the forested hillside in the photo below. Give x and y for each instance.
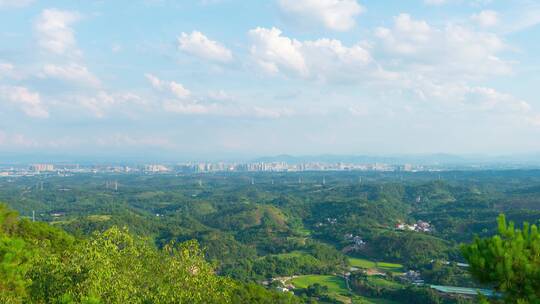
(357, 237)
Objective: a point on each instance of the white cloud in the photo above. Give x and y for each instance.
(336, 15)
(6, 69)
(71, 72)
(177, 89)
(322, 59)
(29, 102)
(486, 18)
(182, 101)
(197, 44)
(103, 101)
(526, 17)
(453, 51)
(15, 3)
(53, 28)
(466, 97)
(274, 52)
(224, 110)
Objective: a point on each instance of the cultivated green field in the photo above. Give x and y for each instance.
(384, 283)
(382, 266)
(362, 263)
(335, 284)
(337, 287)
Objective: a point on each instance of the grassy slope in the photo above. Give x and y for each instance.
(335, 284)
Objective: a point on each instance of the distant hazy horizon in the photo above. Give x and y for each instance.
(437, 159)
(232, 79)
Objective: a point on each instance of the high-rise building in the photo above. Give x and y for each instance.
(42, 167)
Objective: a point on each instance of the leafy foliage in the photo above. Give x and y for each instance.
(109, 267)
(509, 260)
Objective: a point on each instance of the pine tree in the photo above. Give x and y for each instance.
(510, 261)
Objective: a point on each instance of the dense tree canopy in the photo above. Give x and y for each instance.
(509, 260)
(251, 236)
(109, 267)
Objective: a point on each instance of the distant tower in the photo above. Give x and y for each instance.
(360, 180)
(324, 181)
(33, 215)
(252, 181)
(299, 180)
(115, 185)
(200, 182)
(41, 186)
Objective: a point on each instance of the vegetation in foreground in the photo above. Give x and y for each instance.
(252, 235)
(42, 264)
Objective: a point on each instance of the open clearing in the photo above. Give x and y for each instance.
(381, 266)
(335, 284)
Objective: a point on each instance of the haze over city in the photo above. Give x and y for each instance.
(206, 79)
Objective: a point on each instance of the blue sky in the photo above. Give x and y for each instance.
(203, 78)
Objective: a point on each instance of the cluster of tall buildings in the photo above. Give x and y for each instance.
(204, 167)
(286, 167)
(42, 167)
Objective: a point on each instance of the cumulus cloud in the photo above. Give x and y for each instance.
(338, 15)
(177, 89)
(486, 18)
(454, 50)
(71, 72)
(55, 35)
(322, 59)
(180, 100)
(102, 102)
(197, 44)
(467, 97)
(29, 102)
(274, 52)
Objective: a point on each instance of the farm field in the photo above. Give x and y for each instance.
(382, 266)
(384, 283)
(335, 284)
(337, 288)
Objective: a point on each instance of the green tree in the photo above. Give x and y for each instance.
(116, 267)
(509, 260)
(14, 264)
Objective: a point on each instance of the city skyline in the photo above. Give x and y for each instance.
(202, 78)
